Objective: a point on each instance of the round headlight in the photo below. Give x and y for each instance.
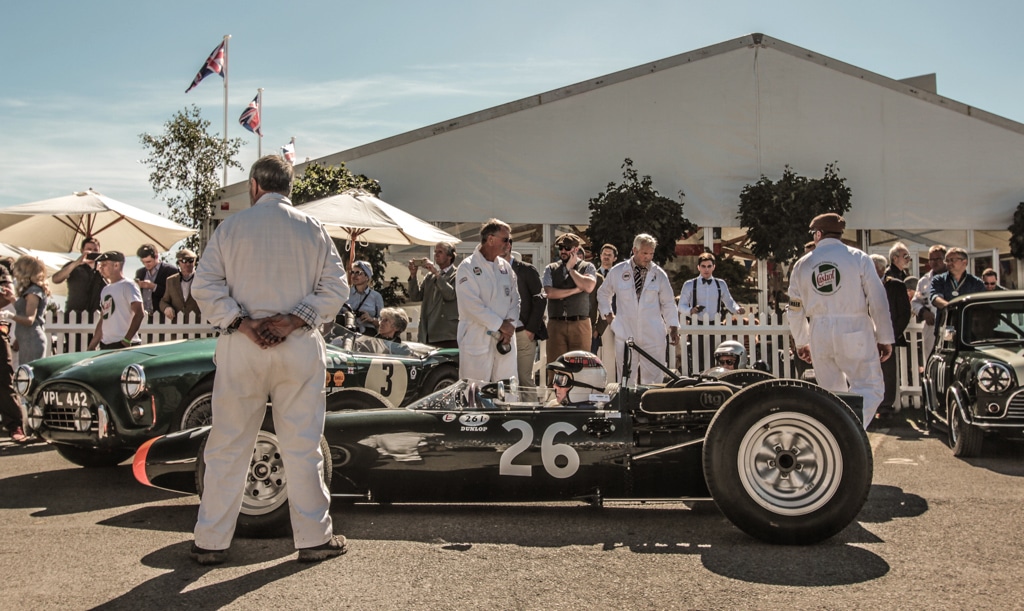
(133, 381)
(83, 419)
(994, 378)
(23, 380)
(35, 417)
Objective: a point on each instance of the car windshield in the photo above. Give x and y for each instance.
(994, 323)
(364, 344)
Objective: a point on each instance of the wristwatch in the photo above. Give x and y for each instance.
(236, 323)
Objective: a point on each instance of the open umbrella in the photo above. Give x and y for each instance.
(60, 224)
(356, 215)
(52, 260)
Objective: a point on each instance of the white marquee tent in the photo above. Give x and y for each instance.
(707, 123)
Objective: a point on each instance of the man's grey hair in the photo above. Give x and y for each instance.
(897, 247)
(645, 239)
(880, 263)
(273, 174)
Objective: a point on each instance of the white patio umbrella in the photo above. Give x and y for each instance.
(60, 224)
(356, 215)
(52, 260)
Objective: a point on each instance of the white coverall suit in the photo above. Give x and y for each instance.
(838, 289)
(645, 319)
(266, 260)
(488, 295)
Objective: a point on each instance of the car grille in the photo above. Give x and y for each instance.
(62, 418)
(1015, 408)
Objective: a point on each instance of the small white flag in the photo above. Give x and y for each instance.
(288, 151)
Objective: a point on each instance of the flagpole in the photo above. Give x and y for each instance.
(227, 37)
(259, 136)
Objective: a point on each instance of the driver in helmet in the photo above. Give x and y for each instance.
(730, 355)
(576, 375)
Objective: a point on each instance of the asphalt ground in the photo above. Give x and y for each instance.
(936, 532)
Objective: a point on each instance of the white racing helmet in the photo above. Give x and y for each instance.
(731, 355)
(581, 372)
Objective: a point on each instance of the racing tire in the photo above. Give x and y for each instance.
(197, 408)
(93, 458)
(442, 376)
(745, 377)
(356, 399)
(264, 511)
(787, 462)
(965, 439)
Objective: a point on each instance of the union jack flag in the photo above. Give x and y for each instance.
(288, 152)
(250, 118)
(213, 65)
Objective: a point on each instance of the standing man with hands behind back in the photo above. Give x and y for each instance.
(268, 278)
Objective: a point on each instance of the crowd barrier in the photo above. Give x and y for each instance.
(765, 336)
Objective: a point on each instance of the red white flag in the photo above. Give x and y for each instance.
(288, 152)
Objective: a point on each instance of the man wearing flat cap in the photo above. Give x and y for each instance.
(839, 314)
(121, 311)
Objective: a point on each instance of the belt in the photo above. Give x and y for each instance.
(518, 329)
(569, 318)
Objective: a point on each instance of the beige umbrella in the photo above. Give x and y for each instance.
(52, 260)
(60, 224)
(357, 215)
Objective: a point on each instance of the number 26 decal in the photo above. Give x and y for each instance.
(549, 451)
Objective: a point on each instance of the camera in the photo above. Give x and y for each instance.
(700, 308)
(92, 256)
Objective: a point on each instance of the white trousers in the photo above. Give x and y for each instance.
(649, 372)
(843, 350)
(292, 375)
(484, 363)
(607, 353)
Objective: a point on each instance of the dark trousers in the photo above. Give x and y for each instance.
(10, 412)
(891, 377)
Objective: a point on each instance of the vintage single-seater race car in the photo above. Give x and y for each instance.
(97, 408)
(972, 381)
(785, 460)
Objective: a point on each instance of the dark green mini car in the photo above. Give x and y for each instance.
(97, 408)
(972, 381)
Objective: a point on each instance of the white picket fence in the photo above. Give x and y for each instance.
(765, 336)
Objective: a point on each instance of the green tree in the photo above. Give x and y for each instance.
(320, 181)
(776, 214)
(624, 210)
(186, 162)
(1017, 232)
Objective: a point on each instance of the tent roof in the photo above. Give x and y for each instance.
(707, 123)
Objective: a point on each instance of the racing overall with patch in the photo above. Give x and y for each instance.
(838, 289)
(488, 294)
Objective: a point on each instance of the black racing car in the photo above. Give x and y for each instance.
(785, 460)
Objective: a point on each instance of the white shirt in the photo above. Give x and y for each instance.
(115, 308)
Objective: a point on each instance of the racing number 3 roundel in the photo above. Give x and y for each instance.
(825, 278)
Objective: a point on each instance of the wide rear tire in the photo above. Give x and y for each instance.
(787, 462)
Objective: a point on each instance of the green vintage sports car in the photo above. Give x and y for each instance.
(97, 408)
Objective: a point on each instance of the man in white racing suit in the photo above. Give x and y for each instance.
(488, 298)
(645, 310)
(848, 333)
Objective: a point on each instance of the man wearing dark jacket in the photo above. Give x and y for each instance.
(152, 276)
(899, 314)
(530, 328)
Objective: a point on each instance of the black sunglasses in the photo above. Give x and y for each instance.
(186, 260)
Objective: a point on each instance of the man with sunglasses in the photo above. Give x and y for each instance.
(488, 297)
(568, 283)
(178, 292)
(991, 280)
(956, 281)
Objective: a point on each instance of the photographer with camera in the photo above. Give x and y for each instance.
(568, 283)
(84, 281)
(439, 313)
(363, 302)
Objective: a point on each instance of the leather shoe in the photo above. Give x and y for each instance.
(207, 557)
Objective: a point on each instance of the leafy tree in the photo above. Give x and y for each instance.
(186, 162)
(624, 210)
(1017, 232)
(776, 214)
(320, 181)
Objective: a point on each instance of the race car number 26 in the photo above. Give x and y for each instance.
(549, 451)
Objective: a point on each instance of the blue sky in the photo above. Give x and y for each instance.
(84, 79)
